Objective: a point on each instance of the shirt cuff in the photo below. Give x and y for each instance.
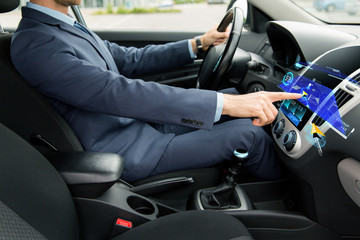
(219, 106)
(191, 52)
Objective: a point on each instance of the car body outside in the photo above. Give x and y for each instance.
(329, 5)
(166, 3)
(218, 1)
(352, 7)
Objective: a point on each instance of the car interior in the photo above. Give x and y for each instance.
(52, 189)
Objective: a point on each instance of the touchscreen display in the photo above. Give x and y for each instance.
(316, 86)
(296, 112)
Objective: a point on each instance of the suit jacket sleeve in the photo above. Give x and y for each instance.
(52, 66)
(133, 61)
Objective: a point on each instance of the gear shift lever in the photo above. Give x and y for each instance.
(225, 196)
(239, 158)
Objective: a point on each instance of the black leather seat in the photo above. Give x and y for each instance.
(35, 203)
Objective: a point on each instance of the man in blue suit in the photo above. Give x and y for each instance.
(156, 128)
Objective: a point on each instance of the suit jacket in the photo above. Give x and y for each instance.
(88, 81)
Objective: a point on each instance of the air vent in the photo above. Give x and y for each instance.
(357, 79)
(318, 121)
(341, 97)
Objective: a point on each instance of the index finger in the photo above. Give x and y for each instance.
(277, 96)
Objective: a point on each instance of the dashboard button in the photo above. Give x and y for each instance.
(289, 140)
(279, 128)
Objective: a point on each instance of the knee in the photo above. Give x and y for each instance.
(259, 138)
(244, 134)
(263, 162)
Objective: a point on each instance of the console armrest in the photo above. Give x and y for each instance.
(88, 174)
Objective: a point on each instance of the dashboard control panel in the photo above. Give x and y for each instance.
(329, 87)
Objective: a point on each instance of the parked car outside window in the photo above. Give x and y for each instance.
(329, 5)
(332, 11)
(352, 7)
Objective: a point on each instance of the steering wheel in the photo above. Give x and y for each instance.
(218, 59)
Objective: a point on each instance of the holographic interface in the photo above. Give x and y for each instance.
(316, 86)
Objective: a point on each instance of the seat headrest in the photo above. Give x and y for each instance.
(8, 5)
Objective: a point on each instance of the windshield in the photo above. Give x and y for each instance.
(332, 11)
(180, 15)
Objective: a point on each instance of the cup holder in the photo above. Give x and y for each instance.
(140, 205)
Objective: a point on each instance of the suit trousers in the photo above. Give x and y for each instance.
(191, 148)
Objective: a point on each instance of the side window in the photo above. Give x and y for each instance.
(153, 15)
(10, 20)
(144, 15)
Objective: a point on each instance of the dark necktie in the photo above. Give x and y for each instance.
(81, 27)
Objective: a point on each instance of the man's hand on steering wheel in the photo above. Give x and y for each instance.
(217, 60)
(211, 38)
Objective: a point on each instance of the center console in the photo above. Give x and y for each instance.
(107, 207)
(116, 211)
(228, 195)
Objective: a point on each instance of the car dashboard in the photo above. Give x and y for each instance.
(322, 64)
(330, 90)
(316, 136)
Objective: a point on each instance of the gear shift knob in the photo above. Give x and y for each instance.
(239, 158)
(227, 195)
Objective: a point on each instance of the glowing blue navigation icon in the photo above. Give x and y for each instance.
(288, 78)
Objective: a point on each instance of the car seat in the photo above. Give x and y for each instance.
(35, 203)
